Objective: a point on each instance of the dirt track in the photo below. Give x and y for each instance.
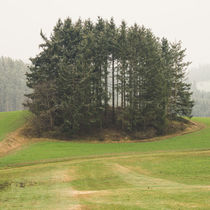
(13, 142)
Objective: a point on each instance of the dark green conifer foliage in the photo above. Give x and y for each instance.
(97, 75)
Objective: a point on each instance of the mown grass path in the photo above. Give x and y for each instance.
(169, 174)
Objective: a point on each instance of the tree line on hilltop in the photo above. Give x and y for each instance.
(12, 84)
(100, 75)
(202, 102)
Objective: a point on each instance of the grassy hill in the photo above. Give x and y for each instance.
(10, 121)
(168, 174)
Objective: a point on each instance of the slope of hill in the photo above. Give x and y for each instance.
(10, 121)
(169, 174)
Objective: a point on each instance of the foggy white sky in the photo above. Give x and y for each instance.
(186, 20)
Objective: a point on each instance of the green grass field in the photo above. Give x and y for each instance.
(10, 121)
(168, 174)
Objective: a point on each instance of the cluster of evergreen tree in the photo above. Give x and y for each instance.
(96, 75)
(12, 84)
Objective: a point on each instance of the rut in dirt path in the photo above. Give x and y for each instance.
(14, 141)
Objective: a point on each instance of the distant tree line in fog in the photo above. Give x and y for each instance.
(200, 78)
(12, 84)
(202, 102)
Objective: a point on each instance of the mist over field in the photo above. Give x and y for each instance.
(21, 22)
(104, 105)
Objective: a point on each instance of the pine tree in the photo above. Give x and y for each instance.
(101, 75)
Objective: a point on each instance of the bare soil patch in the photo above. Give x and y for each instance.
(14, 141)
(76, 207)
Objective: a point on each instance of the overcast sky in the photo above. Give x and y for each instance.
(185, 20)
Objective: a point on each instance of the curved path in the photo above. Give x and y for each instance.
(16, 140)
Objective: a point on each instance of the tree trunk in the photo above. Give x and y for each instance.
(113, 96)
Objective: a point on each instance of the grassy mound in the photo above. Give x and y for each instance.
(48, 150)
